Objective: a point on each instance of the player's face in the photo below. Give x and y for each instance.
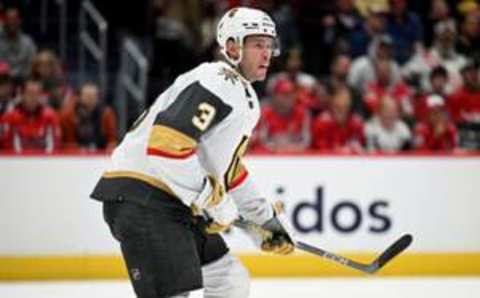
(257, 52)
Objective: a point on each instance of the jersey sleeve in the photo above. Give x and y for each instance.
(175, 136)
(226, 162)
(251, 204)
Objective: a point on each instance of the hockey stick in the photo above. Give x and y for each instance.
(386, 256)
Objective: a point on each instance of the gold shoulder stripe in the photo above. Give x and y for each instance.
(171, 142)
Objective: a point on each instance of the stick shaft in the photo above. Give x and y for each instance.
(393, 250)
(333, 257)
(246, 225)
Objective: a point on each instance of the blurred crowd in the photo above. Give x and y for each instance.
(39, 110)
(355, 76)
(396, 81)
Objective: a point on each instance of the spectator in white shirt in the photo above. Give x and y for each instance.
(442, 53)
(386, 132)
(362, 70)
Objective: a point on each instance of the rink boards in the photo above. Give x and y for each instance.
(350, 205)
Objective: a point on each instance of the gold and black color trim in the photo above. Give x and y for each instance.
(168, 142)
(236, 171)
(141, 177)
(194, 111)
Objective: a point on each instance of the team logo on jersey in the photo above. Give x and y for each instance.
(229, 75)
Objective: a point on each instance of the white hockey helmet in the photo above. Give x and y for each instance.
(240, 22)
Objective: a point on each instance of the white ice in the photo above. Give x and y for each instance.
(266, 288)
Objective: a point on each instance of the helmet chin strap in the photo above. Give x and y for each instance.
(235, 63)
(230, 60)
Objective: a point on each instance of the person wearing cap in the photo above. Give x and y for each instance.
(293, 71)
(437, 133)
(284, 124)
(442, 53)
(177, 179)
(438, 82)
(363, 68)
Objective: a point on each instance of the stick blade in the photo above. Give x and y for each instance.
(394, 249)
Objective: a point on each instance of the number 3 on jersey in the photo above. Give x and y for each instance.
(204, 116)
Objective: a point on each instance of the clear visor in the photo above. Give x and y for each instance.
(275, 46)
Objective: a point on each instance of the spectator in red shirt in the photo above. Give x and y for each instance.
(465, 102)
(385, 86)
(87, 123)
(303, 82)
(316, 101)
(6, 88)
(284, 124)
(439, 81)
(6, 97)
(465, 107)
(31, 125)
(339, 130)
(438, 133)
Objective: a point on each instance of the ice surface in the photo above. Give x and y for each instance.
(265, 288)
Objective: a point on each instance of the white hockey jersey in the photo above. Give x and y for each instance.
(199, 126)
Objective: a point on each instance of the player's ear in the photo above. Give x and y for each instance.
(233, 49)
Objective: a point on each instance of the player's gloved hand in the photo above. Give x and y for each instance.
(280, 241)
(221, 216)
(219, 209)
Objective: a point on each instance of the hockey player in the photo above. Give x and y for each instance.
(185, 153)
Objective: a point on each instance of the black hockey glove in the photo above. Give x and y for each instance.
(280, 241)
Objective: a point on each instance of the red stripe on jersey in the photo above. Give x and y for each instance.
(157, 152)
(239, 180)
